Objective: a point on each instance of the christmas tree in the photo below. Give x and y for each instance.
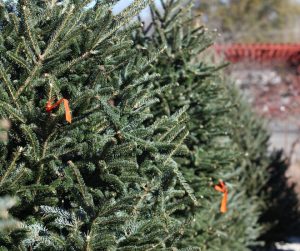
(227, 141)
(92, 167)
(251, 138)
(263, 178)
(121, 142)
(212, 153)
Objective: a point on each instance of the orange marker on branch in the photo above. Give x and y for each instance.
(221, 187)
(50, 107)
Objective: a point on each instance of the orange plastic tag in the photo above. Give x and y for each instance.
(50, 107)
(67, 111)
(221, 187)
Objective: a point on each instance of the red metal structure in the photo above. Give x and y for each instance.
(263, 53)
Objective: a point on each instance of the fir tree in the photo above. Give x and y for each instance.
(92, 167)
(274, 207)
(251, 138)
(212, 156)
(226, 139)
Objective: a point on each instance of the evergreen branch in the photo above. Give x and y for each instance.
(71, 63)
(154, 57)
(181, 13)
(65, 218)
(172, 133)
(41, 58)
(29, 78)
(26, 14)
(178, 114)
(74, 25)
(27, 50)
(177, 128)
(160, 243)
(178, 144)
(124, 149)
(15, 21)
(57, 33)
(138, 97)
(12, 166)
(113, 117)
(100, 127)
(144, 143)
(115, 181)
(11, 111)
(185, 185)
(7, 82)
(161, 90)
(135, 7)
(45, 146)
(123, 163)
(19, 175)
(84, 98)
(33, 140)
(53, 86)
(135, 210)
(156, 13)
(79, 178)
(109, 210)
(125, 17)
(35, 188)
(18, 60)
(179, 175)
(37, 236)
(164, 40)
(144, 103)
(117, 48)
(143, 80)
(46, 159)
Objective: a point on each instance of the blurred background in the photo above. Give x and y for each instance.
(261, 39)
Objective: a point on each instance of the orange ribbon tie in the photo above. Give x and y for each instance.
(221, 187)
(50, 107)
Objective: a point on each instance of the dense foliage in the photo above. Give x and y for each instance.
(151, 130)
(107, 180)
(227, 140)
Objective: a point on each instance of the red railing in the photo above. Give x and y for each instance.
(285, 53)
